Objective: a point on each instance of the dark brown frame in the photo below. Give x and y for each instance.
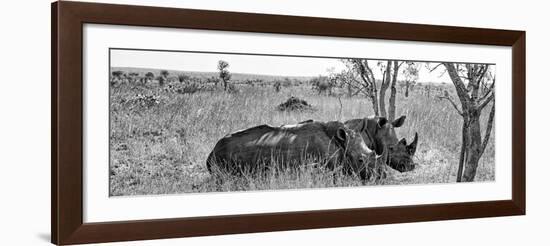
(66, 219)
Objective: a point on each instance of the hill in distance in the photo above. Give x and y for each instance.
(205, 75)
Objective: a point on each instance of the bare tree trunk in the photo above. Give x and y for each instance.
(407, 89)
(489, 128)
(393, 92)
(473, 148)
(374, 100)
(462, 151)
(383, 87)
(374, 94)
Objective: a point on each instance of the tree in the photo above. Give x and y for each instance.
(366, 83)
(224, 75)
(277, 86)
(385, 69)
(163, 77)
(475, 90)
(116, 76)
(287, 82)
(321, 84)
(346, 80)
(182, 78)
(410, 74)
(149, 76)
(393, 90)
(132, 77)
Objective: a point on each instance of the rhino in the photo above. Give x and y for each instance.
(378, 133)
(265, 146)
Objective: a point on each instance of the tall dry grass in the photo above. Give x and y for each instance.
(159, 139)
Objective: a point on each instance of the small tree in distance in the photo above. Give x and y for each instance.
(411, 76)
(321, 84)
(224, 74)
(277, 86)
(132, 77)
(182, 78)
(149, 76)
(163, 77)
(116, 76)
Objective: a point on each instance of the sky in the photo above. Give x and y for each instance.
(207, 62)
(251, 64)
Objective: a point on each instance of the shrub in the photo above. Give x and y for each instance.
(277, 86)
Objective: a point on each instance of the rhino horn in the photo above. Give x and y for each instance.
(411, 148)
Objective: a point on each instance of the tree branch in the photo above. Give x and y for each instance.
(489, 90)
(369, 70)
(459, 85)
(487, 100)
(489, 129)
(434, 68)
(478, 74)
(491, 86)
(362, 71)
(482, 73)
(452, 102)
(356, 85)
(399, 64)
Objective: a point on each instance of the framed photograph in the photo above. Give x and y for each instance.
(175, 122)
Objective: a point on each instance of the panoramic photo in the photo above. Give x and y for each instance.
(190, 122)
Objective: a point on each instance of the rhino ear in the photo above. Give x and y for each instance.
(364, 127)
(382, 121)
(403, 141)
(411, 149)
(399, 121)
(341, 135)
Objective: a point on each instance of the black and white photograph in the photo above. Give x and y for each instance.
(192, 121)
(138, 122)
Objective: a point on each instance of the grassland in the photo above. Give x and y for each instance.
(160, 139)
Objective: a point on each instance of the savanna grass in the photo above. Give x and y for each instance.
(160, 145)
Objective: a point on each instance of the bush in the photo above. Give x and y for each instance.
(145, 101)
(189, 89)
(277, 86)
(184, 88)
(183, 78)
(232, 88)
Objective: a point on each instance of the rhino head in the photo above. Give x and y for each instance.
(379, 134)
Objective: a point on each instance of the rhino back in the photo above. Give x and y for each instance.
(285, 144)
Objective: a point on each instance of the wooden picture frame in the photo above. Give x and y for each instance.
(67, 122)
